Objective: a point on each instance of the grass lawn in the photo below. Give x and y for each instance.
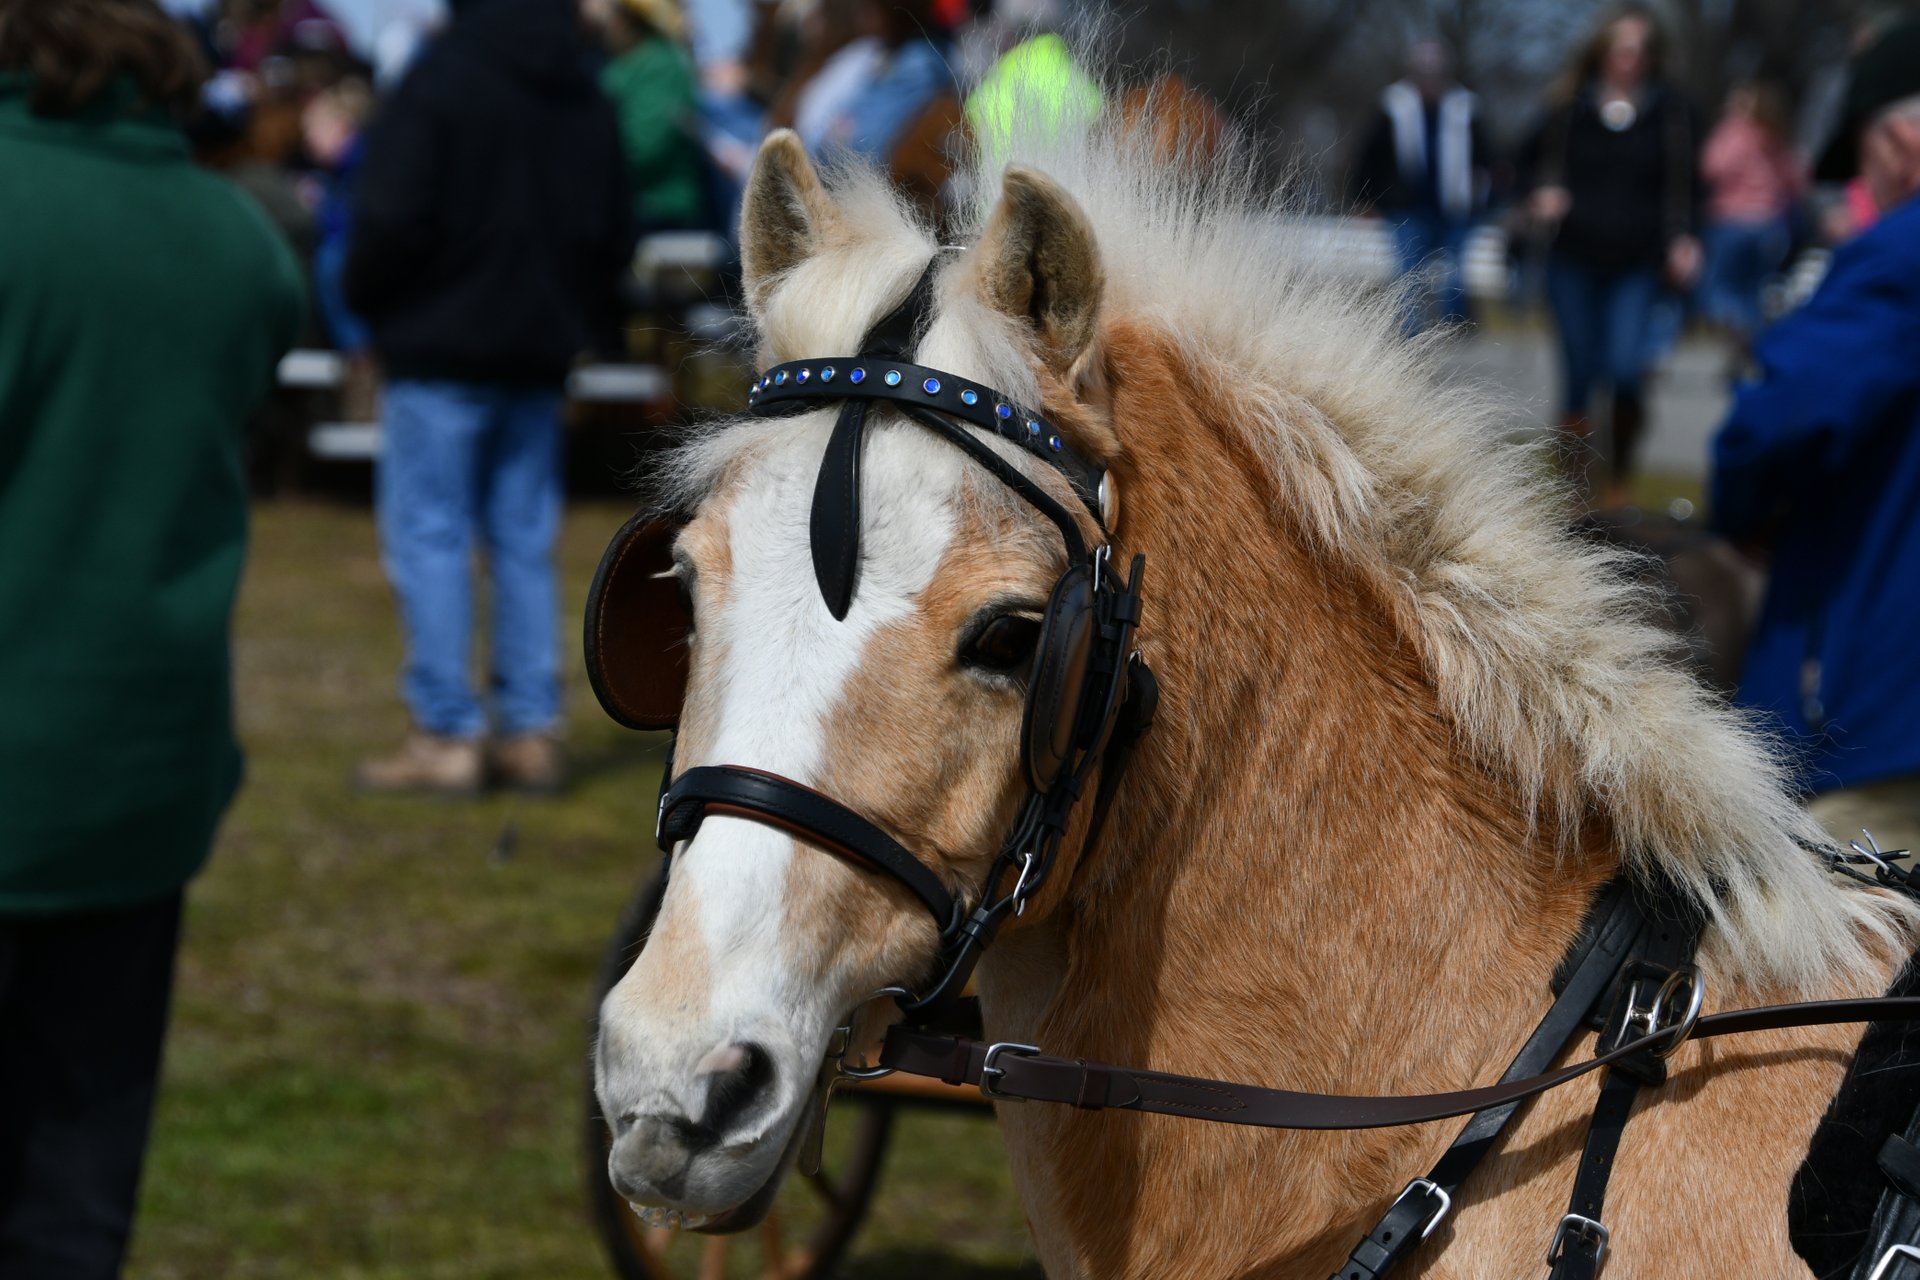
(379, 1039)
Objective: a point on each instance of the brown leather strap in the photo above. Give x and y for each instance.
(1019, 1075)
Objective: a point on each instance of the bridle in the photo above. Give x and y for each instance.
(1629, 975)
(1090, 695)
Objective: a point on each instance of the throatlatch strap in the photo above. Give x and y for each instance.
(768, 798)
(1614, 923)
(1137, 709)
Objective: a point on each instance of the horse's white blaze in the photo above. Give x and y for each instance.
(783, 666)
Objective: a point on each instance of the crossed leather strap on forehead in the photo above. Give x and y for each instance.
(882, 373)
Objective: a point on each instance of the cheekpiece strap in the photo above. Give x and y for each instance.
(803, 384)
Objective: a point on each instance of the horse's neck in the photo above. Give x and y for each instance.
(1307, 882)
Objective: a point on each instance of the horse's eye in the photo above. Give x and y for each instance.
(1005, 643)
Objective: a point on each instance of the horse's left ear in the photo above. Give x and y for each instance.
(1037, 262)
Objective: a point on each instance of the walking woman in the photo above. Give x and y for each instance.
(1614, 188)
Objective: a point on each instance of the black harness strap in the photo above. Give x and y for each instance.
(1614, 924)
(1893, 1239)
(1579, 1245)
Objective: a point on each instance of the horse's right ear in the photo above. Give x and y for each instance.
(783, 216)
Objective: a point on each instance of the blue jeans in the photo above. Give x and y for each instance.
(1740, 257)
(465, 459)
(1603, 318)
(1417, 237)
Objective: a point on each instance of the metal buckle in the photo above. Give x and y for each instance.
(1433, 1189)
(1579, 1226)
(1883, 1269)
(990, 1072)
(1101, 554)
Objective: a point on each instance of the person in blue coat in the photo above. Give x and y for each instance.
(1820, 458)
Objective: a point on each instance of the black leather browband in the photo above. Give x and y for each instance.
(802, 384)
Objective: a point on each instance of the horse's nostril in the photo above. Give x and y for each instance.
(744, 1079)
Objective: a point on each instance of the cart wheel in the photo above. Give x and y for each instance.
(810, 1223)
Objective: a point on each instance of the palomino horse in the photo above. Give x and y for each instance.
(1408, 728)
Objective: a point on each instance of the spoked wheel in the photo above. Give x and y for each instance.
(811, 1222)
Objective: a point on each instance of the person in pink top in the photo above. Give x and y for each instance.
(1754, 176)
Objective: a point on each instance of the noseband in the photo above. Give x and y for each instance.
(1089, 698)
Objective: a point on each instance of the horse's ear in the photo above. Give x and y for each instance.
(1038, 263)
(783, 216)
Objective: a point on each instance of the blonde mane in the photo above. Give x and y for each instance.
(1539, 645)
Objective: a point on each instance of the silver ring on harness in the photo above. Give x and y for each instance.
(1654, 1019)
(1696, 988)
(843, 1034)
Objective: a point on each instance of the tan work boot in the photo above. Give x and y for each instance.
(427, 763)
(530, 762)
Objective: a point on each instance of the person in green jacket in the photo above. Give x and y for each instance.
(651, 82)
(143, 305)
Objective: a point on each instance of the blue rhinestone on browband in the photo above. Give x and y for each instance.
(857, 377)
(893, 378)
(1053, 443)
(826, 373)
(803, 375)
(1005, 411)
(931, 386)
(779, 377)
(1033, 428)
(969, 397)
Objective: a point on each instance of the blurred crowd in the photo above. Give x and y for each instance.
(1629, 207)
(904, 83)
(1633, 210)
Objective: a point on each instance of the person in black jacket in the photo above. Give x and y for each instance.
(1615, 184)
(1424, 169)
(491, 225)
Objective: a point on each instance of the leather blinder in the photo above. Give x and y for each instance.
(637, 627)
(1059, 677)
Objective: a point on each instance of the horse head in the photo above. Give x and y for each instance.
(905, 700)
